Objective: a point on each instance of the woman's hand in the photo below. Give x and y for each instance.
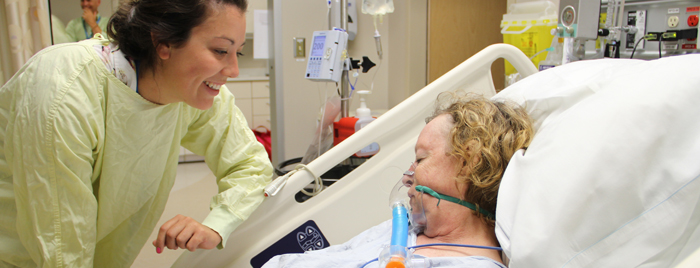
(186, 233)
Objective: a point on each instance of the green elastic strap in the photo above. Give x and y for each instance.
(471, 206)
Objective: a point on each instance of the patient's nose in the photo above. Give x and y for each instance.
(407, 179)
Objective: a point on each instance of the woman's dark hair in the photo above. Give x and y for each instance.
(139, 26)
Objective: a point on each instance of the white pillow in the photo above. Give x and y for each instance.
(611, 176)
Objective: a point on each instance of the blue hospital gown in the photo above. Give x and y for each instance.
(365, 247)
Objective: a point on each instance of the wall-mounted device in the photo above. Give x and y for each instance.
(636, 19)
(327, 55)
(578, 19)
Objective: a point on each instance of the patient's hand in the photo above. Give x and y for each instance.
(186, 233)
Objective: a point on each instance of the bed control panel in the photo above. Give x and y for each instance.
(307, 237)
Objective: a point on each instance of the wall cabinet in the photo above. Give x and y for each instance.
(249, 17)
(253, 98)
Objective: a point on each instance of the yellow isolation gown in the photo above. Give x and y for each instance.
(86, 164)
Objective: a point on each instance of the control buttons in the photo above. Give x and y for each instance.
(314, 68)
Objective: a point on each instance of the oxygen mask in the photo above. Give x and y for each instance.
(402, 195)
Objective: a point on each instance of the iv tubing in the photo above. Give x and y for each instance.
(328, 14)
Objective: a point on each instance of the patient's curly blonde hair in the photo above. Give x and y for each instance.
(499, 129)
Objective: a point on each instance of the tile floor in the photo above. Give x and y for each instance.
(194, 186)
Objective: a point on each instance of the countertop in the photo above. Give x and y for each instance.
(251, 74)
(248, 78)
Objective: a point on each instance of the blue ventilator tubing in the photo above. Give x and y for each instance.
(399, 229)
(398, 253)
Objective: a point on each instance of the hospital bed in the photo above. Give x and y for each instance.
(556, 206)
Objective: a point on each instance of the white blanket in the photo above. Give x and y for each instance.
(365, 247)
(611, 177)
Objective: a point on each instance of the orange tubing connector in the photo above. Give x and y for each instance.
(396, 262)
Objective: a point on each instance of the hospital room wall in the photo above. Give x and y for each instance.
(401, 72)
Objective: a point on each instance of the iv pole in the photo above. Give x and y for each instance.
(344, 83)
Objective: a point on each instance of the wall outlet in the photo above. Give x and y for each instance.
(673, 21)
(693, 20)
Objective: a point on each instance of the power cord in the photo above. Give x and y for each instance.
(276, 185)
(649, 37)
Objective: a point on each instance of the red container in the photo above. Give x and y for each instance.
(343, 129)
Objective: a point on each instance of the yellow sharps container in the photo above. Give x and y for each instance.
(528, 26)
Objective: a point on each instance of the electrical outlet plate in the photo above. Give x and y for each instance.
(693, 20)
(673, 21)
(299, 47)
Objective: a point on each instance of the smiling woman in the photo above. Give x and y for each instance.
(193, 64)
(107, 132)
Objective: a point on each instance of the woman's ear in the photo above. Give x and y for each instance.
(162, 49)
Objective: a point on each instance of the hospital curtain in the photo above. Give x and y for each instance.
(28, 31)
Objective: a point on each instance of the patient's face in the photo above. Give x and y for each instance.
(435, 168)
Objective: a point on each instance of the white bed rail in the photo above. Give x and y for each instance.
(360, 199)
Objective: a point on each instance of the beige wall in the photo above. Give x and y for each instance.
(407, 69)
(395, 79)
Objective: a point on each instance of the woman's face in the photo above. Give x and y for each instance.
(434, 167)
(195, 72)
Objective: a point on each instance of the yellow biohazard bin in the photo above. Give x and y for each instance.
(528, 26)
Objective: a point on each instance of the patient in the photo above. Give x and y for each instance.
(462, 152)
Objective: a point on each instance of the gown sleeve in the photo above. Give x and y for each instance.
(239, 162)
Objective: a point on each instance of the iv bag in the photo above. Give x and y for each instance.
(377, 7)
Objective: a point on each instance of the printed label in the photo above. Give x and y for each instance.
(674, 10)
(545, 67)
(692, 9)
(689, 46)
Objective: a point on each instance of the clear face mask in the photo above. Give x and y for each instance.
(418, 220)
(399, 195)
